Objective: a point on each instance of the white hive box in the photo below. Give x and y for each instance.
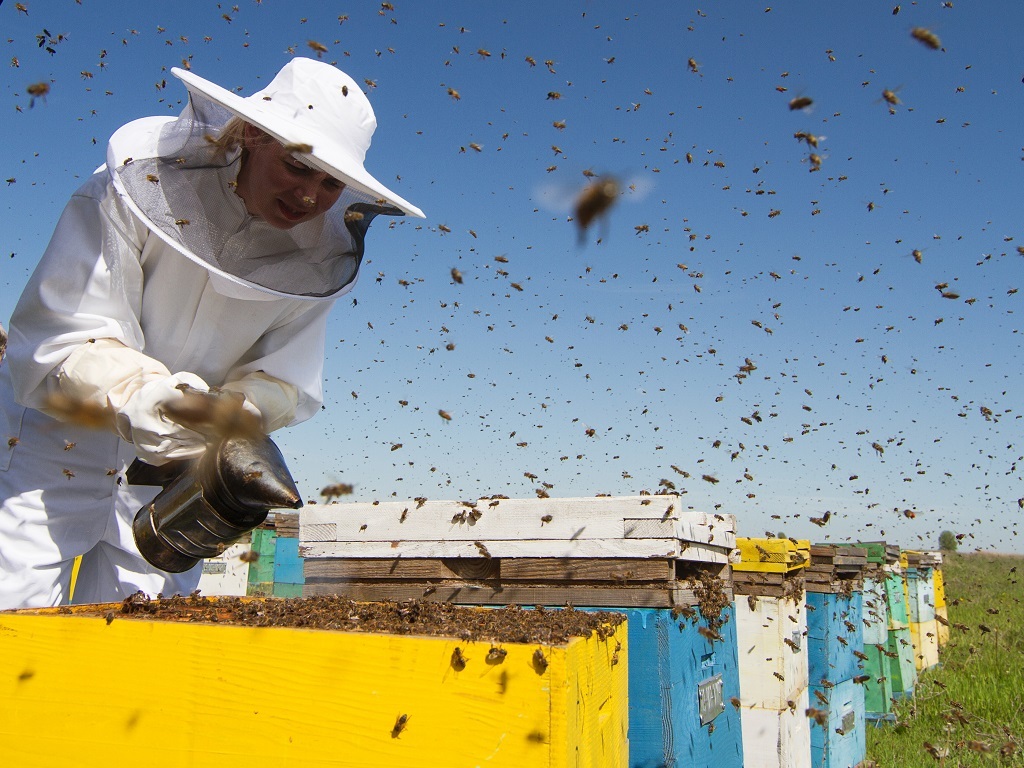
(226, 574)
(598, 551)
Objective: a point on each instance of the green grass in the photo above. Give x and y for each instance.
(970, 709)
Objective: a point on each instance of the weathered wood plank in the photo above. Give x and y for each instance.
(538, 570)
(402, 568)
(463, 593)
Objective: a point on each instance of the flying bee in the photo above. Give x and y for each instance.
(595, 201)
(319, 48)
(79, 412)
(456, 275)
(37, 91)
(399, 726)
(927, 37)
(214, 413)
(890, 97)
(249, 556)
(444, 415)
(336, 490)
(800, 102)
(454, 94)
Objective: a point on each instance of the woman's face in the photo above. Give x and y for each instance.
(280, 189)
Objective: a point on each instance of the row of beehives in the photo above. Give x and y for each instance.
(741, 651)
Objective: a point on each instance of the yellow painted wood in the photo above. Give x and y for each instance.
(75, 690)
(772, 555)
(74, 577)
(940, 588)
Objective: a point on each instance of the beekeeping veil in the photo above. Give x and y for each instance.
(179, 175)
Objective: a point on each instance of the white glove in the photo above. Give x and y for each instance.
(136, 390)
(273, 400)
(143, 420)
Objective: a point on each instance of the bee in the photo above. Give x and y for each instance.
(299, 148)
(735, 702)
(531, 61)
(444, 415)
(540, 661)
(182, 222)
(810, 138)
(353, 216)
(496, 655)
(456, 275)
(68, 473)
(927, 37)
(595, 201)
(444, 228)
(37, 91)
(336, 490)
(319, 48)
(483, 53)
(642, 228)
(214, 413)
(692, 64)
(823, 520)
(249, 556)
(399, 726)
(544, 519)
(879, 449)
(800, 102)
(559, 124)
(79, 412)
(709, 479)
(454, 94)
(553, 95)
(458, 660)
(890, 97)
(709, 634)
(486, 553)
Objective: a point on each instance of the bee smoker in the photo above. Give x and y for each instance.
(208, 503)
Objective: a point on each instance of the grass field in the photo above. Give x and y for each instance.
(968, 711)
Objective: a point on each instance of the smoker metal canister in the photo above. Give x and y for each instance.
(212, 502)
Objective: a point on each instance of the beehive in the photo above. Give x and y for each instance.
(96, 688)
(666, 568)
(921, 599)
(228, 572)
(834, 583)
(878, 664)
(777, 555)
(772, 637)
(277, 569)
(899, 643)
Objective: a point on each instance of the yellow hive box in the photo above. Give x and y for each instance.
(81, 690)
(772, 555)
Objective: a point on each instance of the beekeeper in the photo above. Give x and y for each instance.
(206, 252)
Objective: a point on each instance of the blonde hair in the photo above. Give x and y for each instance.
(231, 138)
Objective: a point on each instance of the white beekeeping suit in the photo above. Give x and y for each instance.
(157, 276)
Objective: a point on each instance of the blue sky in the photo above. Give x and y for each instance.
(611, 366)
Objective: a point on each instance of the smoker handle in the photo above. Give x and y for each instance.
(141, 473)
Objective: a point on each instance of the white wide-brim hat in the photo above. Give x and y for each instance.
(311, 105)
